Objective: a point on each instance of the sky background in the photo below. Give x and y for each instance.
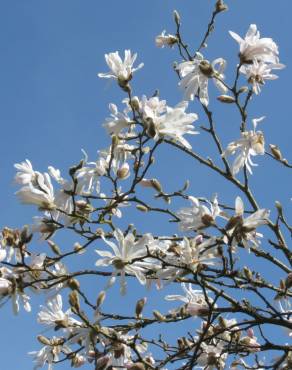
(52, 103)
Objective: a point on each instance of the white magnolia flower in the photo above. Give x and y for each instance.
(25, 174)
(212, 357)
(199, 215)
(175, 123)
(89, 175)
(152, 107)
(196, 74)
(123, 254)
(53, 315)
(243, 230)
(120, 70)
(118, 121)
(195, 300)
(49, 354)
(250, 144)
(184, 254)
(257, 72)
(165, 40)
(253, 47)
(39, 192)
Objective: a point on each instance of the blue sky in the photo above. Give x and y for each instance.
(52, 103)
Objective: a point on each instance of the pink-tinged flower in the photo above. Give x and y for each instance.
(121, 70)
(253, 47)
(196, 74)
(250, 144)
(257, 72)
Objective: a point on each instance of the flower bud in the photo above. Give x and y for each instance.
(124, 171)
(43, 340)
(243, 89)
(74, 300)
(100, 298)
(73, 284)
(156, 185)
(226, 99)
(176, 17)
(158, 316)
(139, 307)
(142, 208)
(247, 273)
(134, 103)
(54, 247)
(276, 152)
(221, 7)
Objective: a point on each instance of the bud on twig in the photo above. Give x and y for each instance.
(158, 316)
(54, 247)
(142, 208)
(73, 284)
(156, 185)
(243, 89)
(139, 307)
(100, 298)
(43, 340)
(176, 17)
(221, 7)
(276, 152)
(226, 99)
(74, 300)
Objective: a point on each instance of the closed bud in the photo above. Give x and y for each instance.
(43, 340)
(74, 300)
(276, 152)
(134, 103)
(54, 247)
(176, 17)
(220, 6)
(156, 185)
(124, 171)
(158, 316)
(142, 208)
(100, 298)
(73, 284)
(282, 284)
(139, 306)
(247, 273)
(226, 99)
(243, 89)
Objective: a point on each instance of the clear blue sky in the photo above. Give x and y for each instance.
(52, 103)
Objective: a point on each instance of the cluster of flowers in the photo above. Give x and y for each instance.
(146, 257)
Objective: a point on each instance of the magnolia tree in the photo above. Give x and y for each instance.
(226, 307)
